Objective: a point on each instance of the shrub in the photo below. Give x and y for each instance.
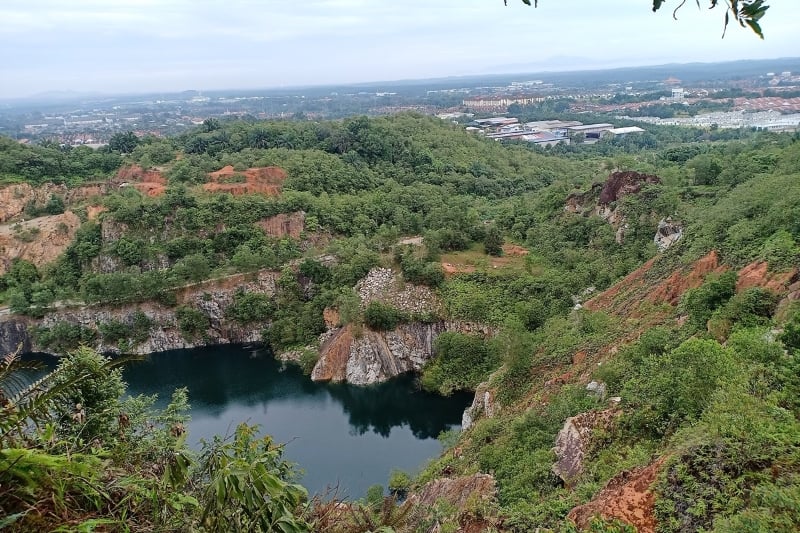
(700, 303)
(382, 317)
(461, 363)
(250, 307)
(193, 323)
(399, 483)
(63, 337)
(677, 386)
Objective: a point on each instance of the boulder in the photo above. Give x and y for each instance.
(572, 442)
(667, 233)
(626, 497)
(482, 405)
(457, 492)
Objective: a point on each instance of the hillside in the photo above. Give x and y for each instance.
(631, 338)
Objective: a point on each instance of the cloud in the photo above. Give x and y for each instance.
(160, 44)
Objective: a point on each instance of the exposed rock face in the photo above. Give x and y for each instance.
(14, 198)
(375, 356)
(620, 184)
(758, 275)
(572, 442)
(625, 497)
(14, 335)
(456, 491)
(483, 405)
(212, 298)
(39, 241)
(284, 225)
(583, 202)
(600, 199)
(385, 285)
(667, 234)
(147, 182)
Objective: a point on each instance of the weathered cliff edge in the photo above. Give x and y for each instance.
(364, 356)
(212, 298)
(356, 355)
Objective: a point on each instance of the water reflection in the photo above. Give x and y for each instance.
(339, 434)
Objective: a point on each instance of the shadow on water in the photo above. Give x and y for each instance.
(339, 434)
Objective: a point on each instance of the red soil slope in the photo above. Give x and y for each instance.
(264, 180)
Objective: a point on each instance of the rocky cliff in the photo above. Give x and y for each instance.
(212, 298)
(14, 198)
(39, 241)
(361, 356)
(602, 199)
(14, 335)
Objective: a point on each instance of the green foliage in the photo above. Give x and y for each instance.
(461, 362)
(63, 337)
(417, 270)
(124, 334)
(250, 307)
(781, 251)
(399, 483)
(124, 143)
(247, 488)
(192, 322)
(382, 317)
(677, 386)
(493, 242)
(752, 307)
(738, 456)
(700, 303)
(791, 332)
(90, 406)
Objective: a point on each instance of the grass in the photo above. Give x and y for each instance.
(475, 259)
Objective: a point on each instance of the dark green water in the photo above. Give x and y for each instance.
(337, 434)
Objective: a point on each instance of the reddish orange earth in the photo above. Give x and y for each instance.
(264, 180)
(148, 182)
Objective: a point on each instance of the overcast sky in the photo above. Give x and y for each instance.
(136, 46)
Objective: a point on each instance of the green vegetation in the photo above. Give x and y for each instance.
(461, 363)
(710, 385)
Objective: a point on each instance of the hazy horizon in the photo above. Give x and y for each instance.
(151, 46)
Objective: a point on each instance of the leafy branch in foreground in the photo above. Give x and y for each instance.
(746, 12)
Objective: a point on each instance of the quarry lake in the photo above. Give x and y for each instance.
(338, 435)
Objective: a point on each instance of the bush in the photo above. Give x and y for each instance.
(382, 317)
(250, 307)
(461, 362)
(63, 337)
(399, 483)
(700, 303)
(493, 242)
(750, 308)
(193, 323)
(676, 387)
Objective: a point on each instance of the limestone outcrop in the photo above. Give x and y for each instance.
(667, 233)
(39, 241)
(483, 405)
(14, 335)
(456, 491)
(572, 442)
(602, 199)
(212, 298)
(375, 356)
(15, 198)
